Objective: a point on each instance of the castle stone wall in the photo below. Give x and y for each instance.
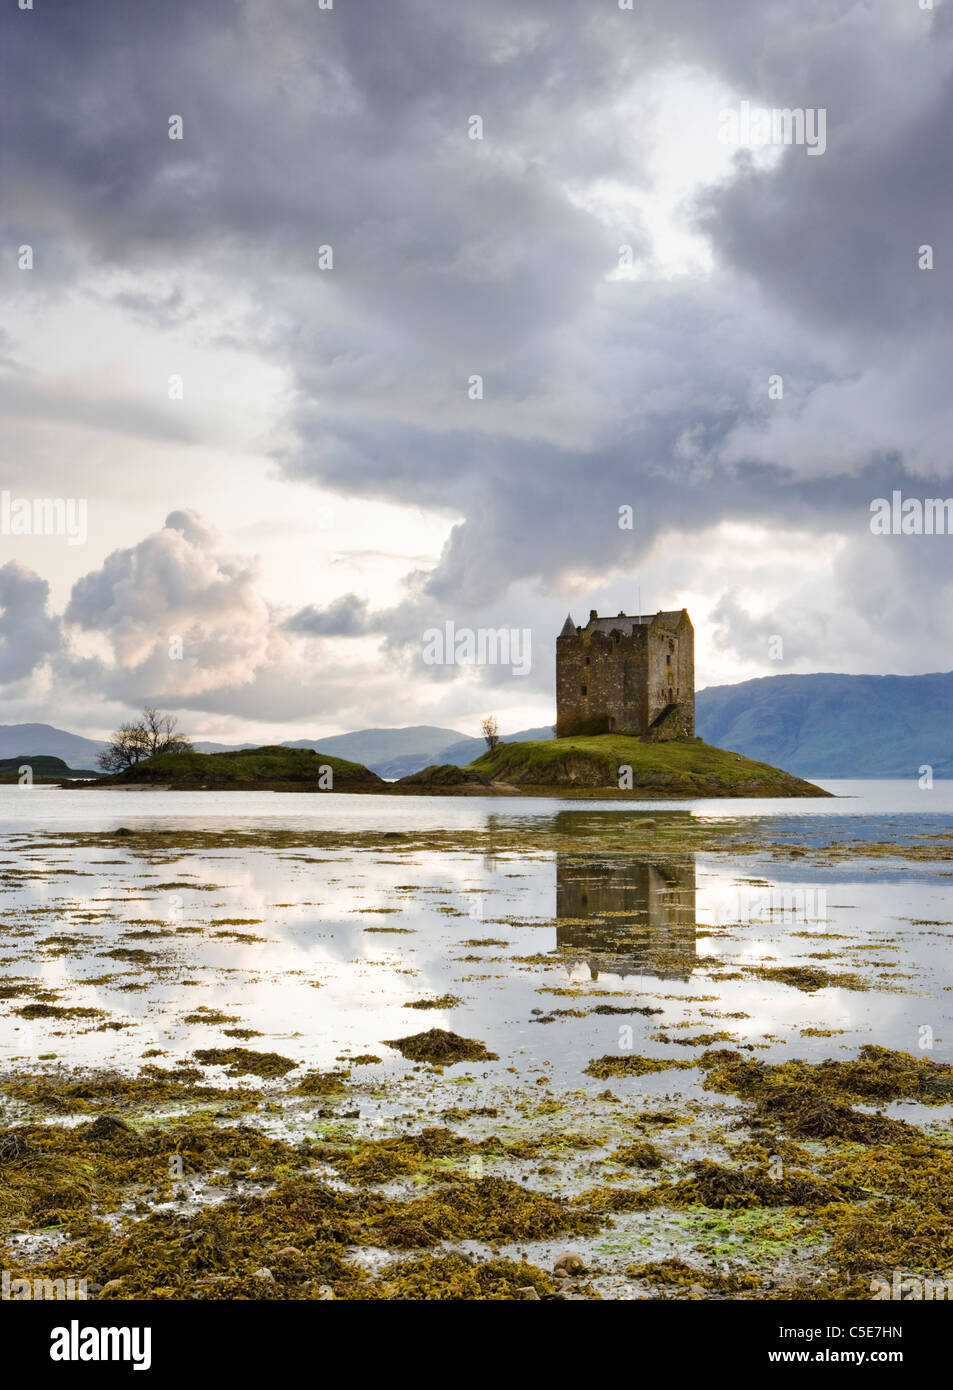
(619, 679)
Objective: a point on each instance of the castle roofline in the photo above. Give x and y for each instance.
(569, 627)
(628, 622)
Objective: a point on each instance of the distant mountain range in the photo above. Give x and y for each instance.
(812, 726)
(26, 740)
(835, 726)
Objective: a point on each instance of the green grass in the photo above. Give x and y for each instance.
(683, 767)
(262, 767)
(680, 766)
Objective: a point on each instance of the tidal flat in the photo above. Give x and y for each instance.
(573, 1053)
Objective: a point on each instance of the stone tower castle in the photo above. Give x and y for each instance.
(633, 675)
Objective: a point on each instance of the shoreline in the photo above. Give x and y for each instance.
(649, 792)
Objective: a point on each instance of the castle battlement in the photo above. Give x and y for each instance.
(633, 674)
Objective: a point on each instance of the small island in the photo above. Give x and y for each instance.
(602, 766)
(610, 766)
(272, 768)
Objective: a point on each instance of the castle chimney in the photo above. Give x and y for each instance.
(593, 615)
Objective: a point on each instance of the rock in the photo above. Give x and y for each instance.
(264, 1273)
(696, 1292)
(93, 1290)
(290, 1252)
(528, 1292)
(123, 830)
(112, 1288)
(323, 1293)
(108, 1127)
(445, 775)
(569, 1263)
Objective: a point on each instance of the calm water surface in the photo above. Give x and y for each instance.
(320, 951)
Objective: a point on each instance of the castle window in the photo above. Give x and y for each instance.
(583, 690)
(668, 659)
(587, 661)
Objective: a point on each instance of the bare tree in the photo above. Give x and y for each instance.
(133, 743)
(491, 732)
(128, 745)
(161, 735)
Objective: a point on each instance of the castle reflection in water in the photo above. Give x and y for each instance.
(627, 917)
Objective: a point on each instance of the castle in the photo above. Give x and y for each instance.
(632, 675)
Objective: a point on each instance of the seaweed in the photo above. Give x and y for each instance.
(240, 1061)
(441, 1048)
(626, 1065)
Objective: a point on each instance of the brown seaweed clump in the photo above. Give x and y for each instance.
(441, 1048)
(241, 1061)
(876, 1074)
(625, 1065)
(638, 1155)
(719, 1188)
(676, 1273)
(381, 1160)
(813, 1117)
(324, 1083)
(486, 1209)
(458, 1276)
(712, 1185)
(445, 1001)
(810, 978)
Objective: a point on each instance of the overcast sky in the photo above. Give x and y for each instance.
(266, 545)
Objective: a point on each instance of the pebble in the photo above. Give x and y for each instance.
(569, 1263)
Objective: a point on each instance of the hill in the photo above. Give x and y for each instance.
(44, 769)
(388, 752)
(682, 767)
(830, 725)
(468, 749)
(273, 768)
(32, 740)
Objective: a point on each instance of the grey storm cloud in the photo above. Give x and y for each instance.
(455, 257)
(29, 634)
(347, 616)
